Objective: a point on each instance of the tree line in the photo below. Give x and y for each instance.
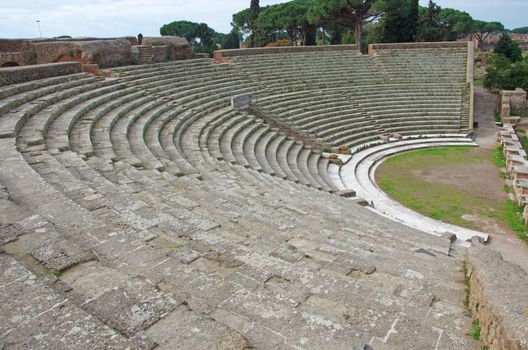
(507, 67)
(312, 22)
(316, 22)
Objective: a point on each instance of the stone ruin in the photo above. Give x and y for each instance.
(93, 53)
(511, 103)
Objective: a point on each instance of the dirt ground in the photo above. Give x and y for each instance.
(480, 179)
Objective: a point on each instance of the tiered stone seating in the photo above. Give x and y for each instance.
(151, 212)
(308, 71)
(423, 65)
(346, 99)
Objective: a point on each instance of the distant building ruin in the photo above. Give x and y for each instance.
(93, 53)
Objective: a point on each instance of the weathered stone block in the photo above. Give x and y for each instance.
(177, 48)
(13, 75)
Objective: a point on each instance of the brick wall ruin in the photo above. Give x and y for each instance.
(105, 53)
(511, 103)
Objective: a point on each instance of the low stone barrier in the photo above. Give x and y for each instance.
(498, 298)
(13, 75)
(221, 54)
(403, 46)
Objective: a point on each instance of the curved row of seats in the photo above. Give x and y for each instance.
(419, 65)
(138, 171)
(357, 98)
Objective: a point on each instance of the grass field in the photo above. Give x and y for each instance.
(400, 177)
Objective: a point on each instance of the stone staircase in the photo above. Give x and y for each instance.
(146, 53)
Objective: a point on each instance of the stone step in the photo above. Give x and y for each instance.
(271, 154)
(304, 155)
(282, 159)
(292, 158)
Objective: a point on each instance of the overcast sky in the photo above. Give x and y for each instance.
(109, 18)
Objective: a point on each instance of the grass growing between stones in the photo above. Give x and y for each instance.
(498, 158)
(475, 330)
(479, 82)
(523, 138)
(497, 117)
(399, 177)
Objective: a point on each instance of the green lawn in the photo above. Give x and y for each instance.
(444, 202)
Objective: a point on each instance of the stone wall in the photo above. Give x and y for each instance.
(13, 45)
(106, 53)
(406, 46)
(512, 102)
(8, 59)
(176, 48)
(498, 299)
(15, 75)
(220, 54)
(50, 52)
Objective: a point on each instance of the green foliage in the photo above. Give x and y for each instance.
(498, 158)
(335, 21)
(507, 69)
(523, 138)
(240, 22)
(231, 40)
(475, 330)
(53, 272)
(414, 18)
(399, 22)
(467, 299)
(443, 24)
(508, 48)
(256, 39)
(184, 29)
(482, 30)
(350, 14)
(282, 21)
(497, 116)
(522, 30)
(428, 26)
(202, 38)
(454, 24)
(512, 216)
(348, 38)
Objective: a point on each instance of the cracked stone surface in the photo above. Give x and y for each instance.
(121, 227)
